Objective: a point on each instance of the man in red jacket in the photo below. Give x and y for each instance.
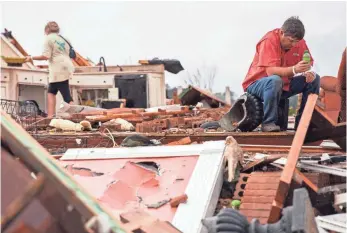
(278, 72)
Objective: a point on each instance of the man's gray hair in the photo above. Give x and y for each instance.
(294, 27)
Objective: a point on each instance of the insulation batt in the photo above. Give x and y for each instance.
(125, 125)
(65, 125)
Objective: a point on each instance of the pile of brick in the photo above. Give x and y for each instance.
(151, 122)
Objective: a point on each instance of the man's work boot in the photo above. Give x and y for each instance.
(270, 128)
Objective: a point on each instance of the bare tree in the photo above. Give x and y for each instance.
(204, 77)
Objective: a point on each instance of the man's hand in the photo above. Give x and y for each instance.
(302, 66)
(310, 76)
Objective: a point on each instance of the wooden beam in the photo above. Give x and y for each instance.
(19, 204)
(323, 127)
(298, 141)
(299, 177)
(317, 134)
(37, 158)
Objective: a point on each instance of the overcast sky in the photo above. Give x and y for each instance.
(210, 34)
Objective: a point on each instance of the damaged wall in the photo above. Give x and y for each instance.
(122, 185)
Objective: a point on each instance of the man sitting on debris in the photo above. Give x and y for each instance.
(278, 71)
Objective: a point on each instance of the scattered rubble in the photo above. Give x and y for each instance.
(264, 180)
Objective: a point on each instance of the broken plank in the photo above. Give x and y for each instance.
(203, 189)
(19, 204)
(331, 132)
(261, 162)
(302, 178)
(293, 156)
(141, 152)
(37, 158)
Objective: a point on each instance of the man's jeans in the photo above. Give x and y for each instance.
(269, 90)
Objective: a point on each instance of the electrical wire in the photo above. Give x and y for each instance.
(110, 137)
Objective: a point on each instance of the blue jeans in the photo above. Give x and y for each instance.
(269, 90)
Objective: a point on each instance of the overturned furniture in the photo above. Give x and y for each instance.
(329, 117)
(193, 95)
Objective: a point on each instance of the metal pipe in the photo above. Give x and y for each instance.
(102, 62)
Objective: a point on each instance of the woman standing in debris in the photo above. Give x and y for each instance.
(58, 51)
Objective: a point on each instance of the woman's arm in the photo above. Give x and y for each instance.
(38, 58)
(46, 54)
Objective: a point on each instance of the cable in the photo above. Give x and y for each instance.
(110, 137)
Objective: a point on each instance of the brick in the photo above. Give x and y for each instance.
(183, 141)
(175, 122)
(259, 193)
(254, 186)
(263, 180)
(139, 128)
(256, 206)
(259, 199)
(164, 123)
(240, 186)
(145, 127)
(178, 200)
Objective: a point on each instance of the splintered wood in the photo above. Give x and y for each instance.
(289, 169)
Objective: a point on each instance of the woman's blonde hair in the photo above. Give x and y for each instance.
(52, 27)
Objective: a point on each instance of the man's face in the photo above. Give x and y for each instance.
(287, 42)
